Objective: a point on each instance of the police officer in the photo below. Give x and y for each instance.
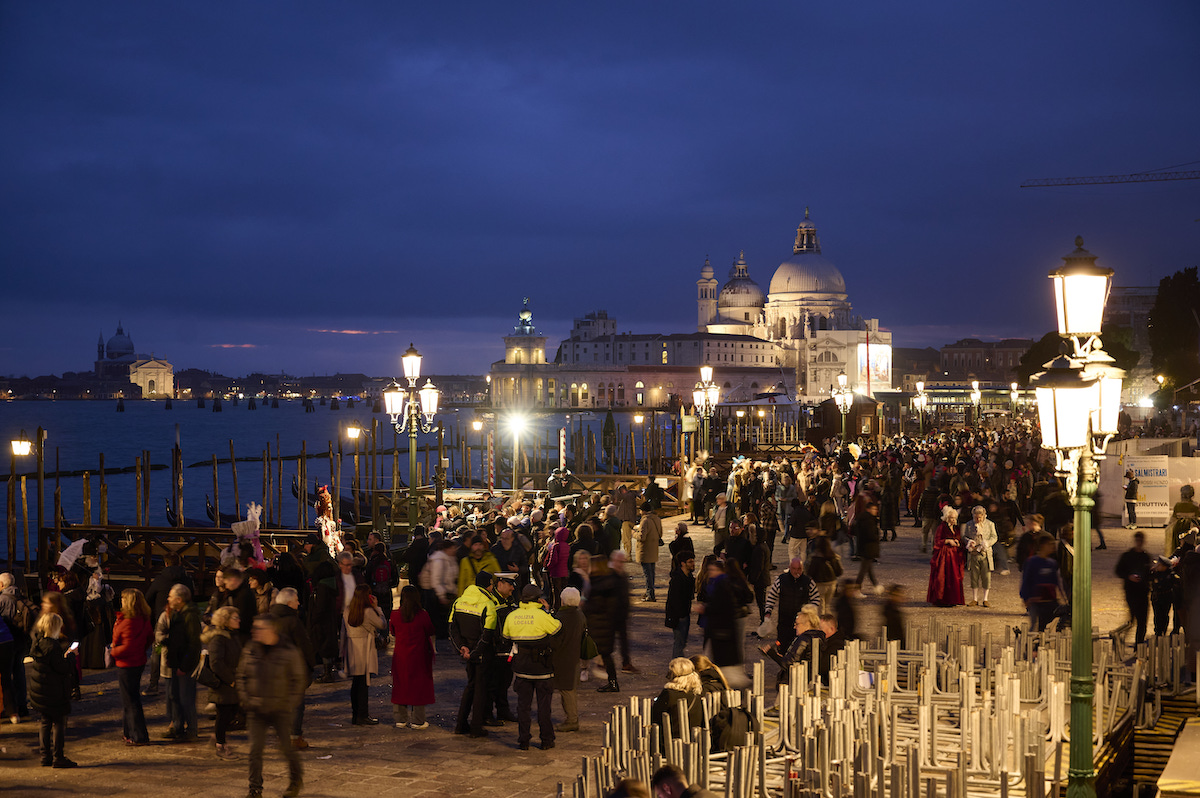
(500, 674)
(473, 631)
(534, 634)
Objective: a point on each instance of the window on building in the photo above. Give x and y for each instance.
(664, 357)
(639, 397)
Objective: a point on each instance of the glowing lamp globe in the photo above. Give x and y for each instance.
(1080, 291)
(706, 373)
(1066, 398)
(412, 365)
(22, 445)
(393, 400)
(1109, 378)
(429, 400)
(698, 396)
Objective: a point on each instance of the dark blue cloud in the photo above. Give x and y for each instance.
(267, 169)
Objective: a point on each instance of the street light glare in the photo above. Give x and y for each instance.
(477, 426)
(516, 423)
(22, 446)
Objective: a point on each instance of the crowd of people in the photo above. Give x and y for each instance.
(534, 594)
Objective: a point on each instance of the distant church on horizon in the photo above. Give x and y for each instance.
(794, 339)
(117, 363)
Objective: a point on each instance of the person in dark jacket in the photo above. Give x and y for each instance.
(270, 683)
(50, 684)
(807, 627)
(758, 574)
(833, 643)
(1133, 569)
(173, 573)
(12, 682)
(683, 688)
(681, 542)
(535, 634)
(473, 630)
(846, 610)
(893, 616)
(866, 524)
(790, 591)
(183, 654)
(566, 657)
(670, 781)
(737, 546)
(681, 588)
(600, 610)
(286, 610)
(240, 596)
(224, 647)
(324, 614)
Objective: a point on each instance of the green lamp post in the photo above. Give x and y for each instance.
(410, 409)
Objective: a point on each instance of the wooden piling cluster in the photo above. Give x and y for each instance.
(956, 712)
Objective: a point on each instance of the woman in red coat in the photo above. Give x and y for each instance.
(946, 566)
(412, 661)
(131, 638)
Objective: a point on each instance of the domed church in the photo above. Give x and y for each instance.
(806, 313)
(118, 362)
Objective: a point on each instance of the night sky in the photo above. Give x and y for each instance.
(308, 187)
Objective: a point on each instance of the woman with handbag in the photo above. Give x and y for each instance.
(223, 648)
(132, 635)
(362, 621)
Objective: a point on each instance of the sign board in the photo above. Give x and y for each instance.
(691, 423)
(1154, 497)
(878, 371)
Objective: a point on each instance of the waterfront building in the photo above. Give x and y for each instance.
(805, 315)
(973, 359)
(118, 366)
(597, 367)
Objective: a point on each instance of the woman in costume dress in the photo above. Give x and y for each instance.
(946, 566)
(326, 523)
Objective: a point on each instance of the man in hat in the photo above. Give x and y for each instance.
(499, 675)
(315, 552)
(534, 632)
(473, 631)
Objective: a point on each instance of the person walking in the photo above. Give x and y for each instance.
(535, 635)
(946, 565)
(412, 661)
(681, 588)
(825, 568)
(720, 521)
(601, 609)
(1131, 497)
(1133, 569)
(50, 685)
(649, 537)
(979, 535)
(1041, 585)
(566, 657)
(183, 655)
(286, 611)
(866, 531)
(224, 647)
(270, 684)
(132, 635)
(363, 621)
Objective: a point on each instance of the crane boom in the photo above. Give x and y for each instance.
(1139, 177)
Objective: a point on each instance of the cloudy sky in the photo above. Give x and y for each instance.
(309, 187)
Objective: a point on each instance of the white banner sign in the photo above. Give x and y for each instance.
(1154, 496)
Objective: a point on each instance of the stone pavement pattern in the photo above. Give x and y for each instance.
(347, 760)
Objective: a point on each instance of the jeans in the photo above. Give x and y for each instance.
(225, 715)
(525, 690)
(155, 668)
(52, 733)
(1131, 508)
(682, 627)
(257, 725)
(182, 702)
(648, 574)
(133, 725)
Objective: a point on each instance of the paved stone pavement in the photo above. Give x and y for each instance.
(384, 761)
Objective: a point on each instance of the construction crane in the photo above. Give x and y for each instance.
(1137, 177)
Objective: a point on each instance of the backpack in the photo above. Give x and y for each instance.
(729, 728)
(26, 614)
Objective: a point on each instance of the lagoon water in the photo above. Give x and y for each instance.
(79, 431)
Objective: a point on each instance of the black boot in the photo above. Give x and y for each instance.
(611, 687)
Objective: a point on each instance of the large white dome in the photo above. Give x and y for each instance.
(741, 291)
(807, 273)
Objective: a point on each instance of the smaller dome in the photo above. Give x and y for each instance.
(120, 345)
(706, 273)
(740, 291)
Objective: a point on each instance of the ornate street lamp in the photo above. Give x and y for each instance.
(705, 398)
(1014, 396)
(920, 401)
(844, 398)
(411, 409)
(21, 446)
(976, 396)
(1078, 402)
